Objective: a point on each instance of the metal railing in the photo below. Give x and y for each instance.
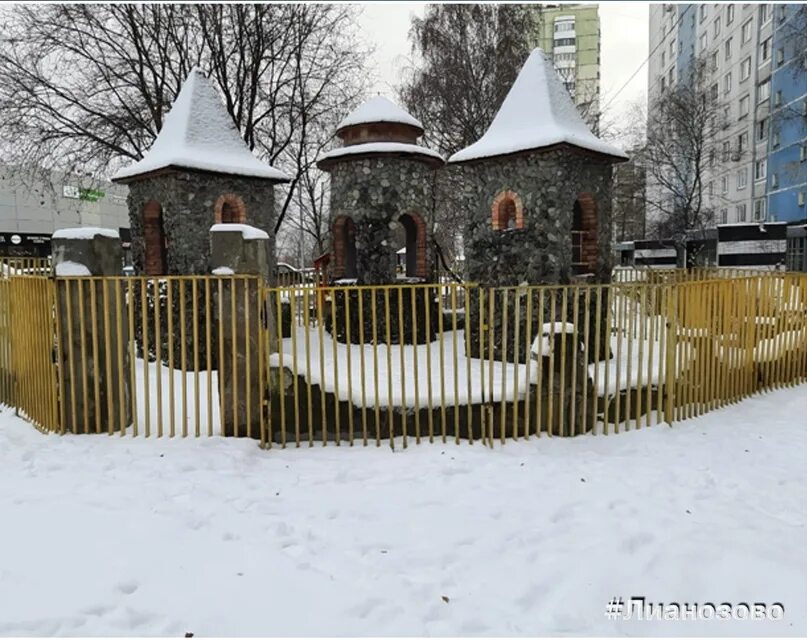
(229, 355)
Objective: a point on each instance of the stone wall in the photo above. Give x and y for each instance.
(188, 200)
(374, 193)
(547, 184)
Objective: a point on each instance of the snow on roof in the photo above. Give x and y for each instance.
(537, 112)
(247, 232)
(381, 147)
(84, 233)
(378, 109)
(198, 133)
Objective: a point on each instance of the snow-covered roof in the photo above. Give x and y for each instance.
(381, 147)
(84, 233)
(198, 133)
(537, 112)
(378, 109)
(248, 232)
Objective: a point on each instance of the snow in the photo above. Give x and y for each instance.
(198, 133)
(70, 268)
(223, 271)
(542, 346)
(381, 147)
(248, 232)
(537, 112)
(378, 109)
(397, 369)
(146, 537)
(84, 233)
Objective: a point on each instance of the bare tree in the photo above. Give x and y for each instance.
(469, 57)
(88, 86)
(682, 131)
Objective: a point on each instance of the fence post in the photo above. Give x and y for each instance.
(672, 352)
(239, 250)
(90, 325)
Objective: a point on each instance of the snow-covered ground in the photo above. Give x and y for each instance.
(104, 535)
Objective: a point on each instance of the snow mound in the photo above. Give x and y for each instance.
(248, 232)
(537, 112)
(84, 233)
(378, 109)
(198, 133)
(542, 346)
(382, 147)
(70, 268)
(223, 271)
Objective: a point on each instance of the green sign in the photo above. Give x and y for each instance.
(90, 195)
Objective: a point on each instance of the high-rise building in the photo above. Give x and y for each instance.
(570, 35)
(755, 65)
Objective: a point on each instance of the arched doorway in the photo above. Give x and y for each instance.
(507, 211)
(414, 228)
(344, 248)
(154, 240)
(584, 240)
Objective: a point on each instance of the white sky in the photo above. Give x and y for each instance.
(624, 46)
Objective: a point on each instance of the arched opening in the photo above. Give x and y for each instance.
(344, 248)
(415, 245)
(230, 209)
(154, 240)
(584, 234)
(507, 211)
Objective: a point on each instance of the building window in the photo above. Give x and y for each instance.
(507, 211)
(724, 184)
(777, 99)
(663, 83)
(585, 250)
(702, 12)
(229, 208)
(724, 216)
(802, 149)
(740, 209)
(713, 91)
(711, 158)
(774, 180)
(728, 48)
(564, 42)
(715, 61)
(729, 14)
(780, 57)
(759, 209)
(775, 138)
(745, 69)
(763, 91)
(801, 198)
(670, 76)
(765, 13)
(726, 151)
(742, 178)
(716, 25)
(745, 103)
(746, 32)
(760, 169)
(764, 51)
(663, 58)
(762, 130)
(704, 42)
(742, 142)
(727, 83)
(672, 49)
(711, 188)
(794, 258)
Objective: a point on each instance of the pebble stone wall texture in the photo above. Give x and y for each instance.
(374, 192)
(188, 200)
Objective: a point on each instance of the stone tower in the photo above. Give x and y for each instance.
(382, 196)
(538, 188)
(198, 172)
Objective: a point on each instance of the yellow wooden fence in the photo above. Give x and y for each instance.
(399, 363)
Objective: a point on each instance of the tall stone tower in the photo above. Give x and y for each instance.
(198, 172)
(538, 188)
(382, 195)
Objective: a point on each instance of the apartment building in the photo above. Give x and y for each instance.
(757, 170)
(570, 34)
(32, 209)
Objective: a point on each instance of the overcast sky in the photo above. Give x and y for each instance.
(624, 46)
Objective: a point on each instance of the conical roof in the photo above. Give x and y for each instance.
(198, 133)
(379, 109)
(537, 112)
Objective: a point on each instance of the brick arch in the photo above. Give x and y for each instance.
(230, 208)
(507, 211)
(585, 240)
(416, 263)
(155, 242)
(343, 232)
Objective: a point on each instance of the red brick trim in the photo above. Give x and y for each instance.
(506, 205)
(230, 208)
(421, 245)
